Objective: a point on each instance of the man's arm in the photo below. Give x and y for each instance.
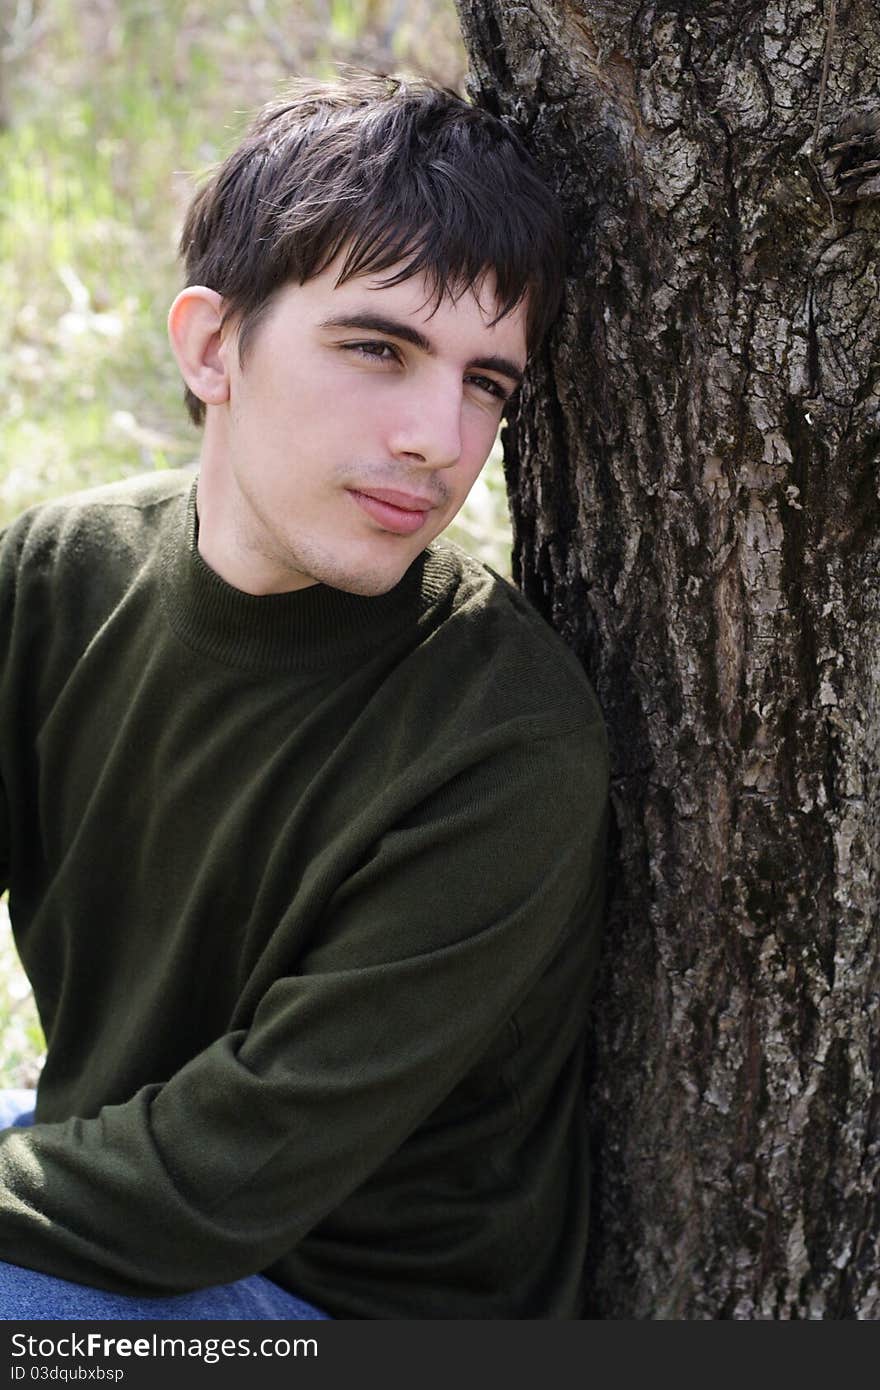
(427, 951)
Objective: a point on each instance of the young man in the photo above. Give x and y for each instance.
(302, 812)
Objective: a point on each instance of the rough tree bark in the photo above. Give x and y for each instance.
(694, 482)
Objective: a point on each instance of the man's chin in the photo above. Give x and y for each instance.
(367, 581)
(367, 586)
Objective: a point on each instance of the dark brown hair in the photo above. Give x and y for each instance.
(387, 170)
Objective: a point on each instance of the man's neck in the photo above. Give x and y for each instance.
(223, 540)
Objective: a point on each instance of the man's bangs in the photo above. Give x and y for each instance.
(454, 251)
(450, 269)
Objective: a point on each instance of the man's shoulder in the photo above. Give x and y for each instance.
(117, 505)
(498, 657)
(101, 531)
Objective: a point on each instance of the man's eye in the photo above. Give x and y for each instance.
(377, 351)
(487, 383)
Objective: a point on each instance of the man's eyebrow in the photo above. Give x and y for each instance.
(395, 328)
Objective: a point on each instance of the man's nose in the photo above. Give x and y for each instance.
(428, 428)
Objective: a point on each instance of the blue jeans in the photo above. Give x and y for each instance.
(28, 1295)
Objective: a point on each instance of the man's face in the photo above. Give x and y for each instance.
(353, 432)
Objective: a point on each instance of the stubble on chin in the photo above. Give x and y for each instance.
(365, 575)
(366, 583)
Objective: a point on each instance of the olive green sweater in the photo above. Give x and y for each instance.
(308, 887)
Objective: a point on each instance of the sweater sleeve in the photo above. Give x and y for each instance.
(425, 953)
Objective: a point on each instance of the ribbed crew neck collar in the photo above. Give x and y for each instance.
(307, 629)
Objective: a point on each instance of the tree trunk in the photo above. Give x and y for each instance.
(693, 472)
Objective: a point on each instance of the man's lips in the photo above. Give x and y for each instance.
(401, 512)
(407, 501)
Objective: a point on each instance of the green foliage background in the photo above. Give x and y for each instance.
(110, 111)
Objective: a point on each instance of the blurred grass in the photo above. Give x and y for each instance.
(21, 1037)
(111, 110)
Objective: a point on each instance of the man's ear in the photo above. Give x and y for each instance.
(194, 324)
